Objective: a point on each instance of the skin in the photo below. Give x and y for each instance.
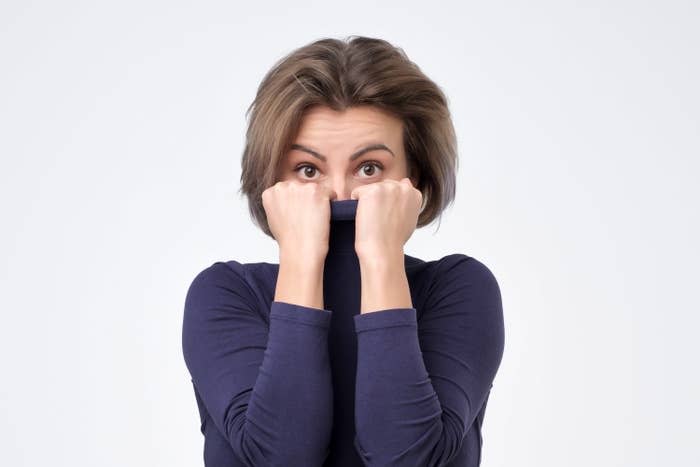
(298, 206)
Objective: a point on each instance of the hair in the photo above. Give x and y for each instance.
(341, 74)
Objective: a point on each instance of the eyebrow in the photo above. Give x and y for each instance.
(355, 155)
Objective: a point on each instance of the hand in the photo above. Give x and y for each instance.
(299, 217)
(387, 214)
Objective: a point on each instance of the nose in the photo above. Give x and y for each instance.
(341, 188)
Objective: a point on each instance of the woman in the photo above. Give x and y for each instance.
(348, 352)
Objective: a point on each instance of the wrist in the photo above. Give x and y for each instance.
(380, 258)
(305, 260)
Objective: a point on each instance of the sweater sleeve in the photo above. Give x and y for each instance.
(420, 386)
(267, 388)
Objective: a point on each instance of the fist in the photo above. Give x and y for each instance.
(298, 214)
(387, 215)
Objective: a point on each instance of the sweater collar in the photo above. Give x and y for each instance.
(342, 229)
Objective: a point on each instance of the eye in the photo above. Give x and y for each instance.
(308, 170)
(375, 165)
(307, 167)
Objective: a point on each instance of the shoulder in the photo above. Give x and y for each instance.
(218, 273)
(232, 283)
(222, 283)
(464, 291)
(462, 278)
(461, 267)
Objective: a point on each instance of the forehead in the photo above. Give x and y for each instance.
(322, 120)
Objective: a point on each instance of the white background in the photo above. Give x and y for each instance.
(121, 130)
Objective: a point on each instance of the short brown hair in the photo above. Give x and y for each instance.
(340, 74)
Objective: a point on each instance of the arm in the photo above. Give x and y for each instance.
(267, 388)
(419, 390)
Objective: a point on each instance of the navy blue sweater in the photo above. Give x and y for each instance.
(279, 384)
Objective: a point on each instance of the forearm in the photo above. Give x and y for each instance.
(419, 389)
(266, 384)
(397, 413)
(300, 280)
(384, 282)
(290, 411)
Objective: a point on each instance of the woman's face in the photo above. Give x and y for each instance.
(343, 150)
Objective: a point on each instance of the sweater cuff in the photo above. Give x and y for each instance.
(300, 314)
(387, 318)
